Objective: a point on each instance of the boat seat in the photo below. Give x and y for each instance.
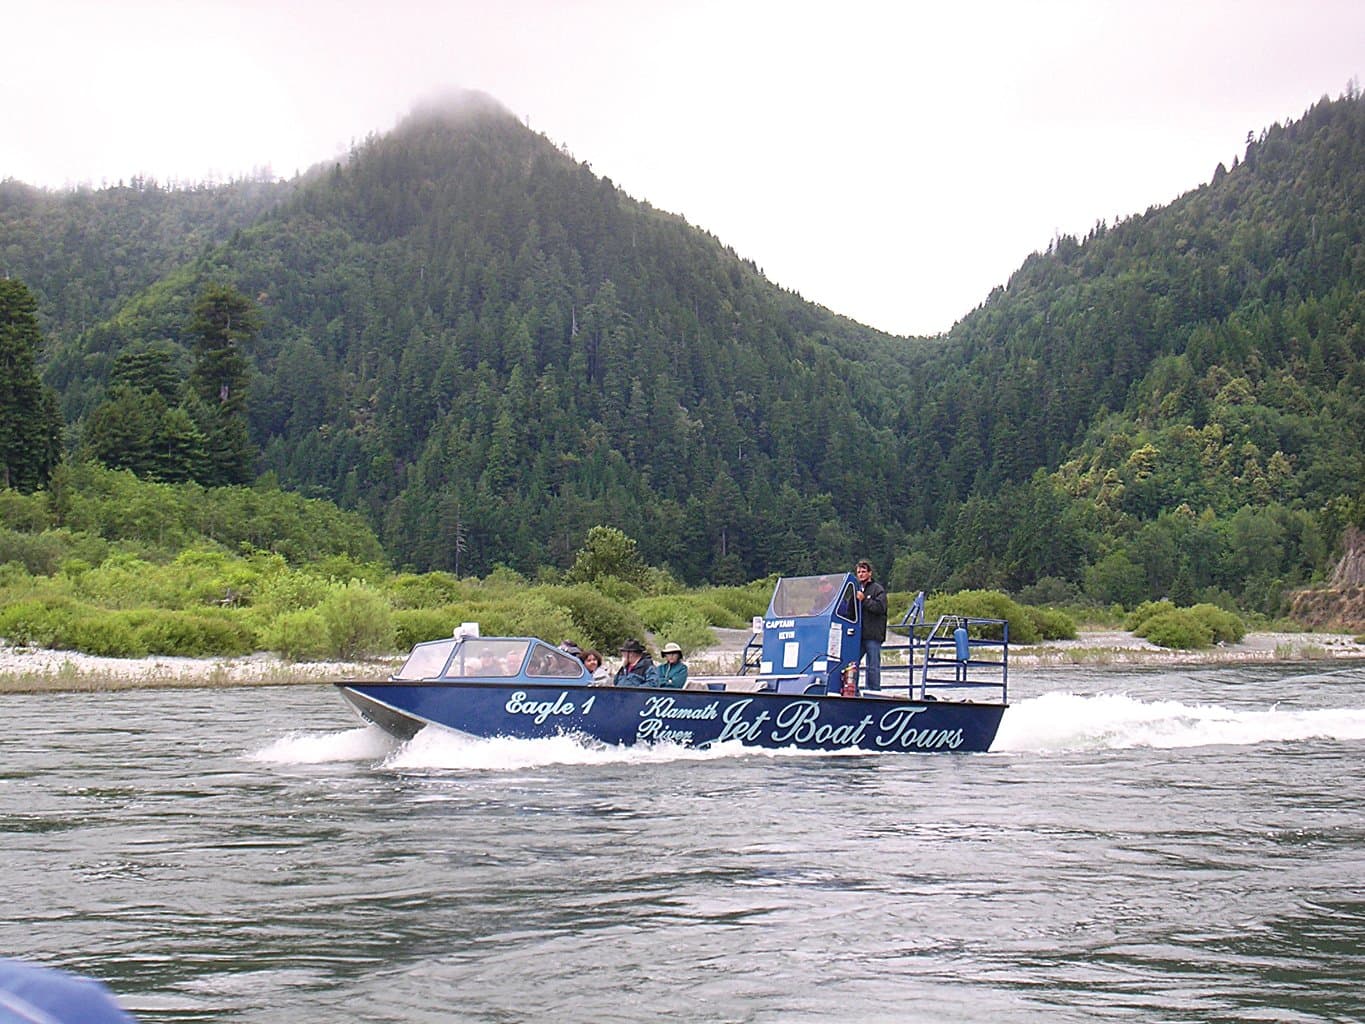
(738, 684)
(808, 683)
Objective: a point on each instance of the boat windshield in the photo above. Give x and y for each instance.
(547, 661)
(806, 595)
(427, 660)
(487, 657)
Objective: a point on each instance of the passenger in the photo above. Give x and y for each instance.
(569, 647)
(592, 661)
(872, 596)
(672, 673)
(636, 667)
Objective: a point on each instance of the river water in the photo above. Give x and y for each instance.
(1177, 845)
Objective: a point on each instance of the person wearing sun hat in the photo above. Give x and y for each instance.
(672, 673)
(636, 667)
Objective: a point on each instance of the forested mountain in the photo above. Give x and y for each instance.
(1193, 377)
(490, 349)
(84, 253)
(470, 337)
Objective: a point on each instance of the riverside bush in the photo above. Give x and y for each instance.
(688, 630)
(602, 623)
(27, 513)
(1051, 623)
(39, 554)
(192, 634)
(1177, 628)
(986, 604)
(288, 590)
(1145, 611)
(525, 614)
(655, 611)
(743, 602)
(298, 635)
(104, 634)
(425, 590)
(359, 621)
(125, 581)
(36, 622)
(1225, 627)
(418, 625)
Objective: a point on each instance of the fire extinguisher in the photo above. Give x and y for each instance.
(850, 684)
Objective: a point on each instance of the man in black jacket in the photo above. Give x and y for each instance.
(872, 599)
(636, 667)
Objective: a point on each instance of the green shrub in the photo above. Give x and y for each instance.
(689, 631)
(1051, 623)
(985, 604)
(289, 590)
(36, 623)
(1050, 590)
(1225, 627)
(359, 621)
(743, 602)
(615, 589)
(299, 635)
(655, 611)
(1177, 628)
(600, 621)
(202, 576)
(341, 568)
(12, 576)
(41, 554)
(526, 614)
(418, 625)
(1145, 611)
(192, 634)
(106, 635)
(123, 581)
(27, 513)
(425, 590)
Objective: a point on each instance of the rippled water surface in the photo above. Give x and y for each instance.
(1157, 846)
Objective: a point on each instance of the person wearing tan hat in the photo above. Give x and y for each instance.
(636, 667)
(672, 673)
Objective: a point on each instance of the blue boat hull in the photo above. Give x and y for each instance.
(696, 718)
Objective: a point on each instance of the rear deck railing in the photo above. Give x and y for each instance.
(956, 657)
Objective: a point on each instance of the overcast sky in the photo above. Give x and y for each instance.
(892, 161)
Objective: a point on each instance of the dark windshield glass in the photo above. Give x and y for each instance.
(806, 595)
(848, 606)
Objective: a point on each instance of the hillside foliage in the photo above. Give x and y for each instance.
(485, 350)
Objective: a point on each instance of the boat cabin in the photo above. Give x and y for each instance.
(813, 627)
(473, 657)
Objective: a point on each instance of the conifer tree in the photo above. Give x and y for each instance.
(30, 425)
(224, 320)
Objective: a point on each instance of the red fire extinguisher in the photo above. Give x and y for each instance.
(850, 684)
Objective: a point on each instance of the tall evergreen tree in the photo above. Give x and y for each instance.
(223, 322)
(30, 425)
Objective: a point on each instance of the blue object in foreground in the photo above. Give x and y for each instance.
(30, 994)
(804, 695)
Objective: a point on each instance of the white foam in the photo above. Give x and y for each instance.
(436, 748)
(367, 743)
(1067, 721)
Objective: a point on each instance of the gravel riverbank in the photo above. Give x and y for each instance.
(35, 670)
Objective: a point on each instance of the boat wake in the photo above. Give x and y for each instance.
(1051, 723)
(443, 750)
(437, 749)
(1067, 721)
(365, 743)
